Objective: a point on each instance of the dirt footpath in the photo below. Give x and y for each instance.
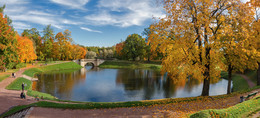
(10, 98)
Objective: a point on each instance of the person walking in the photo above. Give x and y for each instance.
(23, 86)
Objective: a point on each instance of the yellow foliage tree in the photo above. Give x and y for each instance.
(197, 27)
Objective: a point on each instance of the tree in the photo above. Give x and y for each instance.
(110, 53)
(119, 48)
(35, 36)
(255, 5)
(239, 53)
(61, 45)
(67, 35)
(134, 47)
(48, 39)
(197, 26)
(91, 55)
(25, 49)
(9, 21)
(8, 43)
(147, 32)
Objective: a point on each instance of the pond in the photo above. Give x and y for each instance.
(113, 85)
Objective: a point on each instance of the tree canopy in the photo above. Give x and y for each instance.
(198, 27)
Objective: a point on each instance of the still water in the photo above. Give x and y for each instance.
(112, 85)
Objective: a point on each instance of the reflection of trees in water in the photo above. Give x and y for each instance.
(191, 83)
(55, 83)
(149, 82)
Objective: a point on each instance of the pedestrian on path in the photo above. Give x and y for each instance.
(23, 86)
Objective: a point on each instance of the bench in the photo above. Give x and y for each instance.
(242, 98)
(251, 94)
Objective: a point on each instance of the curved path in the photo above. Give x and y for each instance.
(10, 98)
(249, 82)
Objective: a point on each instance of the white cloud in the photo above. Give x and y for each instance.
(128, 12)
(75, 4)
(20, 25)
(13, 2)
(24, 17)
(90, 30)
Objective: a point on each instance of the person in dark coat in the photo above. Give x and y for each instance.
(23, 86)
(22, 96)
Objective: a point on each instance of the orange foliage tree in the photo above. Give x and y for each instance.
(25, 49)
(119, 48)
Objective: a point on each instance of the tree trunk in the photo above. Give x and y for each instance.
(206, 83)
(258, 74)
(205, 90)
(229, 79)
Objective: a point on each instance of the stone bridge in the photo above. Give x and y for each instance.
(95, 62)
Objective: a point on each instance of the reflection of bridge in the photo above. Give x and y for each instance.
(95, 62)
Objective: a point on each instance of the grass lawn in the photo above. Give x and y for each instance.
(17, 84)
(56, 67)
(239, 83)
(40, 95)
(131, 64)
(4, 76)
(243, 109)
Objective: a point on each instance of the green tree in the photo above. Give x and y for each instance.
(134, 47)
(48, 38)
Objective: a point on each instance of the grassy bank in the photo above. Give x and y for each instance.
(56, 67)
(4, 76)
(40, 95)
(17, 84)
(239, 83)
(240, 110)
(131, 64)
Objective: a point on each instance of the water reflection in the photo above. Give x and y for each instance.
(110, 85)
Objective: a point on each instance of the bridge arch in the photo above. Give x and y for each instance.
(95, 62)
(90, 63)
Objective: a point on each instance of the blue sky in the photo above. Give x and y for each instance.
(92, 22)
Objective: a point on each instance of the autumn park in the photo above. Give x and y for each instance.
(173, 58)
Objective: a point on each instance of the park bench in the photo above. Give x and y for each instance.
(242, 98)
